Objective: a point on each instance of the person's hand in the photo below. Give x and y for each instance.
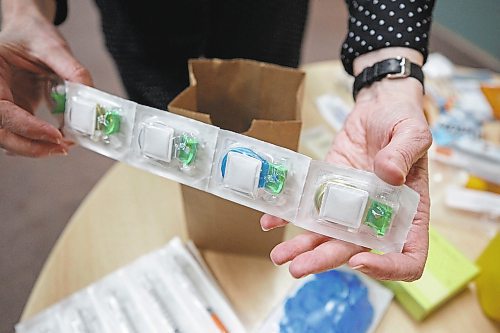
(385, 133)
(31, 50)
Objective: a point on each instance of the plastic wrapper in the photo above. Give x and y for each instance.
(99, 121)
(160, 293)
(340, 300)
(78, 314)
(165, 291)
(172, 146)
(356, 206)
(47, 321)
(199, 290)
(258, 175)
(55, 98)
(122, 310)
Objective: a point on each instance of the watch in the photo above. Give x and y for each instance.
(393, 68)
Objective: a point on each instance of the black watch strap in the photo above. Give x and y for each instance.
(393, 68)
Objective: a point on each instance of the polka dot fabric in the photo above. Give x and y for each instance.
(375, 24)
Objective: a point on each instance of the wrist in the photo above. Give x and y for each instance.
(13, 9)
(409, 89)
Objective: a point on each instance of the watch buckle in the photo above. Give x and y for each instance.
(405, 65)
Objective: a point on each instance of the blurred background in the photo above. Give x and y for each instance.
(38, 197)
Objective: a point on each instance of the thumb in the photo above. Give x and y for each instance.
(65, 65)
(408, 144)
(68, 68)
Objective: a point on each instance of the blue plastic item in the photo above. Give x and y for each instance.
(331, 302)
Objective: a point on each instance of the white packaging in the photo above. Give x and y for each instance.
(258, 174)
(78, 314)
(161, 295)
(200, 293)
(47, 321)
(99, 121)
(120, 308)
(357, 207)
(172, 146)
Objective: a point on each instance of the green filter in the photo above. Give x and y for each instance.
(59, 102)
(379, 217)
(108, 121)
(275, 178)
(187, 148)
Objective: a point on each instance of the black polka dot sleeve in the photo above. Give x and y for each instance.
(375, 24)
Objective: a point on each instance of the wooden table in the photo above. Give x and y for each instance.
(131, 212)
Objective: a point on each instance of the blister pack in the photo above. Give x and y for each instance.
(172, 146)
(258, 174)
(344, 203)
(356, 206)
(99, 121)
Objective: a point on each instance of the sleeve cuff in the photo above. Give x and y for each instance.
(375, 24)
(61, 11)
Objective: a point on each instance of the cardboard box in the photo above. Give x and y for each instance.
(446, 273)
(249, 97)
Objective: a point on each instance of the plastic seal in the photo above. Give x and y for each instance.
(258, 174)
(356, 206)
(172, 146)
(99, 121)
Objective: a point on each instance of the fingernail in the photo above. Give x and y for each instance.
(264, 229)
(359, 267)
(58, 151)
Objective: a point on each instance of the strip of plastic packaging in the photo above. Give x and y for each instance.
(173, 147)
(357, 207)
(258, 174)
(339, 202)
(99, 121)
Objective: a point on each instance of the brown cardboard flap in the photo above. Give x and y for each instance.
(235, 92)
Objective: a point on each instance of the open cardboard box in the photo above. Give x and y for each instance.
(253, 98)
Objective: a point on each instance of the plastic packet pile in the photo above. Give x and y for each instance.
(164, 291)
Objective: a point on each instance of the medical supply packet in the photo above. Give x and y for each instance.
(167, 290)
(339, 300)
(258, 174)
(340, 202)
(357, 207)
(99, 121)
(172, 146)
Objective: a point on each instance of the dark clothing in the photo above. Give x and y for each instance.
(152, 40)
